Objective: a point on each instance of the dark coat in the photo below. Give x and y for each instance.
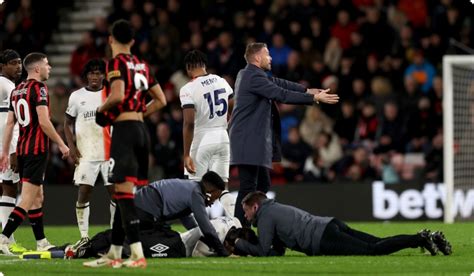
(285, 226)
(255, 129)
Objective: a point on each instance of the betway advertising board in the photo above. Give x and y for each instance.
(348, 201)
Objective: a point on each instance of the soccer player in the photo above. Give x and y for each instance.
(89, 144)
(205, 102)
(29, 106)
(280, 226)
(10, 73)
(129, 79)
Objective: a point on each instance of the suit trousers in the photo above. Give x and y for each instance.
(252, 178)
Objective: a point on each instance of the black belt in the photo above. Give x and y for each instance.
(4, 109)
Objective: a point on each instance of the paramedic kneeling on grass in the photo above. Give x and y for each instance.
(282, 226)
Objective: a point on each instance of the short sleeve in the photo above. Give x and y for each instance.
(186, 98)
(116, 69)
(150, 77)
(41, 92)
(230, 91)
(72, 107)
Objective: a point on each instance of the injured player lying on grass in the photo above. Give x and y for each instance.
(159, 244)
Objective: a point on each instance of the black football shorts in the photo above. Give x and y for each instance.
(32, 168)
(129, 153)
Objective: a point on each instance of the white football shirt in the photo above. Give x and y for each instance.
(6, 87)
(209, 96)
(93, 141)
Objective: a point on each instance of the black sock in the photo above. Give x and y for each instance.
(36, 221)
(118, 234)
(16, 217)
(129, 216)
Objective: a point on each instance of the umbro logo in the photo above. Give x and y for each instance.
(159, 249)
(83, 103)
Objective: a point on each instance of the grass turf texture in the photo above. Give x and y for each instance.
(409, 261)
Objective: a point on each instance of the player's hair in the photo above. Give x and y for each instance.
(8, 55)
(95, 64)
(254, 197)
(195, 59)
(252, 49)
(213, 179)
(122, 31)
(33, 58)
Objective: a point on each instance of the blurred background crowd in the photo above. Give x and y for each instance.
(383, 57)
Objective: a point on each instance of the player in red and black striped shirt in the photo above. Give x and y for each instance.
(29, 106)
(130, 79)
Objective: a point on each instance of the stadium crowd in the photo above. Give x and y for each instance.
(383, 58)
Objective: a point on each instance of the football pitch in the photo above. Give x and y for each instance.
(406, 262)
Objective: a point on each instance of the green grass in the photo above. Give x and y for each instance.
(406, 262)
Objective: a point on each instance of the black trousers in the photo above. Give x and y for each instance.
(252, 178)
(340, 239)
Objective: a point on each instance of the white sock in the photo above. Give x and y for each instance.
(6, 210)
(115, 252)
(112, 213)
(137, 251)
(82, 215)
(227, 201)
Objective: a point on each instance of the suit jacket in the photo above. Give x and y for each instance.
(255, 128)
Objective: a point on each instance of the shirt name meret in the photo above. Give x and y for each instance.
(208, 81)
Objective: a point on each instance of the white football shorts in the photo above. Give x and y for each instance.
(213, 157)
(88, 171)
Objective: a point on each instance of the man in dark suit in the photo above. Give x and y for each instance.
(255, 122)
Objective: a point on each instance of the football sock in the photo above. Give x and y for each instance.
(16, 217)
(137, 251)
(118, 234)
(129, 215)
(36, 221)
(82, 215)
(112, 213)
(115, 252)
(6, 207)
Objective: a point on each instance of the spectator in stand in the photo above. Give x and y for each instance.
(422, 127)
(86, 51)
(329, 148)
(224, 58)
(307, 53)
(378, 35)
(122, 10)
(58, 100)
(294, 153)
(314, 75)
(319, 34)
(333, 54)
(346, 122)
(100, 33)
(314, 170)
(421, 71)
(343, 29)
(411, 96)
(356, 166)
(415, 10)
(392, 129)
(367, 125)
(359, 93)
(165, 153)
(434, 160)
(294, 71)
(313, 123)
(279, 51)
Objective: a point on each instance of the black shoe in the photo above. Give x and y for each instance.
(428, 242)
(441, 242)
